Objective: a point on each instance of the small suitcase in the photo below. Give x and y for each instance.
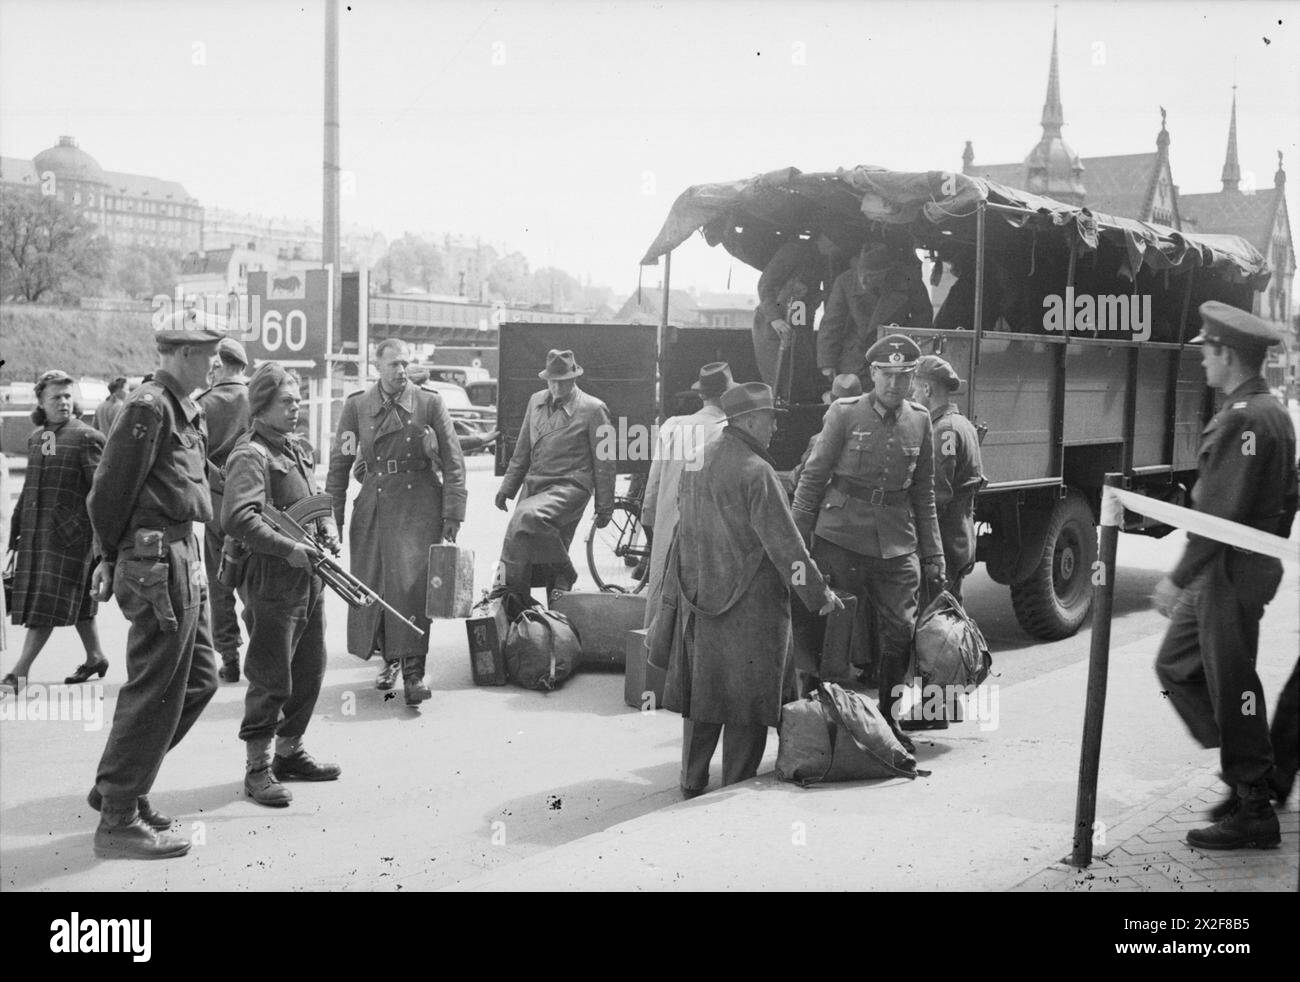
(643, 683)
(487, 628)
(450, 591)
(602, 621)
(834, 663)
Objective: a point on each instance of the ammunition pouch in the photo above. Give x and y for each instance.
(234, 561)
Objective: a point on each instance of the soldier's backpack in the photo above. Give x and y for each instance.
(542, 649)
(948, 647)
(836, 734)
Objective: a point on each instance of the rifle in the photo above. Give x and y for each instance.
(291, 522)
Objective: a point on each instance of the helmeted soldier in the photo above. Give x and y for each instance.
(865, 500)
(150, 489)
(958, 470)
(225, 408)
(281, 593)
(1216, 594)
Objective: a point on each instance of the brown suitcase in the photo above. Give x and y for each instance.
(642, 682)
(602, 621)
(450, 591)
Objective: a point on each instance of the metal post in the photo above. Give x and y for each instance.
(1103, 595)
(661, 342)
(330, 256)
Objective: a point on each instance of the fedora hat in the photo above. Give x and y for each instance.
(715, 379)
(748, 397)
(560, 365)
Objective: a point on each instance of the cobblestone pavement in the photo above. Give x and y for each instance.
(1148, 851)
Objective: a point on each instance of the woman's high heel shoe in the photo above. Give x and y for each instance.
(86, 671)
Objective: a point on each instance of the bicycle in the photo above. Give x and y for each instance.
(618, 555)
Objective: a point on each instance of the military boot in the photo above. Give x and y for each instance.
(1251, 825)
(293, 763)
(122, 834)
(413, 681)
(229, 670)
(148, 814)
(387, 677)
(260, 782)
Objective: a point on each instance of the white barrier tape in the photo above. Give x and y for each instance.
(1206, 526)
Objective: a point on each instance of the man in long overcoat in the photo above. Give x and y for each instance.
(412, 496)
(51, 532)
(740, 555)
(681, 441)
(557, 465)
(882, 287)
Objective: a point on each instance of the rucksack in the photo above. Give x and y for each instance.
(542, 649)
(948, 646)
(836, 734)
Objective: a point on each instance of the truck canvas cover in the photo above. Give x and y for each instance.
(751, 217)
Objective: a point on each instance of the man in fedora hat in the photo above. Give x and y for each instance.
(1216, 595)
(740, 556)
(225, 407)
(150, 490)
(882, 288)
(681, 441)
(958, 469)
(558, 466)
(865, 501)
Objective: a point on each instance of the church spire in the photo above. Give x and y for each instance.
(1053, 114)
(1231, 169)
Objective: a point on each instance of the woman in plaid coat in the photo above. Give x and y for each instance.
(51, 531)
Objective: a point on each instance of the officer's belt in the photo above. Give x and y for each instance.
(872, 496)
(171, 533)
(387, 467)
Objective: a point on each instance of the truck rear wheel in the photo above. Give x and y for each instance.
(1053, 601)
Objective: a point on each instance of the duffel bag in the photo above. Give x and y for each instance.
(542, 649)
(835, 734)
(948, 646)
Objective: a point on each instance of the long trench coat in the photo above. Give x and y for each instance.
(414, 480)
(51, 528)
(740, 556)
(682, 440)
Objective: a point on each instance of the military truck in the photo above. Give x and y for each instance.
(1075, 344)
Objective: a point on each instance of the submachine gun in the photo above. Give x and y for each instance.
(292, 522)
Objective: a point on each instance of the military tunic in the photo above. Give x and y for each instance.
(225, 408)
(153, 476)
(51, 534)
(1246, 473)
(414, 480)
(866, 497)
(282, 603)
(958, 475)
(557, 465)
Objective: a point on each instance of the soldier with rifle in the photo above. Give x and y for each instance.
(268, 472)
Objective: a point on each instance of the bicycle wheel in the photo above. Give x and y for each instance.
(618, 555)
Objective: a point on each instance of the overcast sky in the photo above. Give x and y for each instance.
(567, 129)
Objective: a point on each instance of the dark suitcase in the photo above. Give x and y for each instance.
(486, 629)
(602, 621)
(450, 588)
(643, 683)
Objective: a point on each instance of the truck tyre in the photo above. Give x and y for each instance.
(1053, 601)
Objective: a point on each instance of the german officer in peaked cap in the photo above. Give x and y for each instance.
(1215, 596)
(865, 500)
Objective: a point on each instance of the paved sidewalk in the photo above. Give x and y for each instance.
(1148, 851)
